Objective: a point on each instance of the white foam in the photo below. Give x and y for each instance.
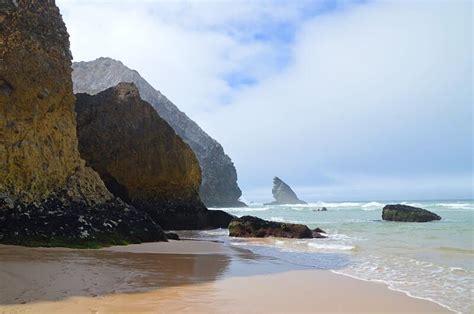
(245, 209)
(216, 232)
(372, 206)
(332, 247)
(391, 287)
(277, 219)
(456, 205)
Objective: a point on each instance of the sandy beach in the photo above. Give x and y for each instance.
(203, 277)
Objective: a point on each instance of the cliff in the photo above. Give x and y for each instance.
(219, 178)
(283, 194)
(47, 195)
(140, 157)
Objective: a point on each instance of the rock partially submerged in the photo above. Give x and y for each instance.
(283, 194)
(47, 195)
(254, 227)
(172, 236)
(141, 159)
(408, 214)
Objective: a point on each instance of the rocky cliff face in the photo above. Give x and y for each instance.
(219, 178)
(283, 194)
(140, 157)
(47, 195)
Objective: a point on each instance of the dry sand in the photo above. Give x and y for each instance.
(106, 281)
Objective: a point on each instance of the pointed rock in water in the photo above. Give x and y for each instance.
(141, 159)
(408, 214)
(219, 178)
(283, 194)
(254, 227)
(47, 195)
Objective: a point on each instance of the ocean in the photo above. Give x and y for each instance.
(433, 260)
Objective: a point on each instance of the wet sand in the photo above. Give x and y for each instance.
(146, 278)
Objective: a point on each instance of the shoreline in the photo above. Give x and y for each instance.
(408, 294)
(214, 278)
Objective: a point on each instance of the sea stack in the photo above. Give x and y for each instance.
(283, 194)
(408, 214)
(219, 186)
(141, 159)
(47, 195)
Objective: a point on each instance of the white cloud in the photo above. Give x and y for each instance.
(376, 90)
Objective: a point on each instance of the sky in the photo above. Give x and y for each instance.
(343, 100)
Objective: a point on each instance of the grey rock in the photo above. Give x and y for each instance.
(219, 178)
(283, 194)
(408, 214)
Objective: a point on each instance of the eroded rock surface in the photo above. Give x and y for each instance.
(219, 178)
(283, 194)
(140, 157)
(44, 184)
(254, 227)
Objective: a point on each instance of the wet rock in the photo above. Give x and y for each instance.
(317, 233)
(219, 219)
(172, 236)
(253, 227)
(408, 214)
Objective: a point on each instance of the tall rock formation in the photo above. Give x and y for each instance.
(219, 178)
(283, 194)
(47, 195)
(140, 157)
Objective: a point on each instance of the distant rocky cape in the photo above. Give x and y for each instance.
(283, 194)
(219, 178)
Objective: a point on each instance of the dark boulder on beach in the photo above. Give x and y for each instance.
(408, 214)
(253, 227)
(283, 194)
(218, 219)
(172, 236)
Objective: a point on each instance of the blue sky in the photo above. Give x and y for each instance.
(345, 100)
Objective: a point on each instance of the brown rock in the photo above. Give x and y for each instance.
(253, 227)
(140, 157)
(40, 165)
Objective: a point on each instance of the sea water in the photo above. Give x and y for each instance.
(433, 260)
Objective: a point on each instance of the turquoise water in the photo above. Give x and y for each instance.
(432, 260)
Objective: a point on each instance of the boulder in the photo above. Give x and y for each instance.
(408, 214)
(219, 219)
(283, 194)
(253, 227)
(47, 195)
(141, 159)
(172, 236)
(219, 186)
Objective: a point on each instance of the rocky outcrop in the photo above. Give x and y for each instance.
(47, 195)
(253, 227)
(219, 178)
(408, 214)
(283, 194)
(140, 157)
